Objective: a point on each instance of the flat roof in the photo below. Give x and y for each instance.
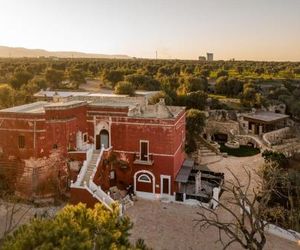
(33, 108)
(51, 93)
(265, 116)
(106, 95)
(64, 104)
(111, 104)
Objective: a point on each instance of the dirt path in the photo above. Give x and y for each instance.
(94, 86)
(237, 165)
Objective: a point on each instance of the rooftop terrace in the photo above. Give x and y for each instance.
(31, 108)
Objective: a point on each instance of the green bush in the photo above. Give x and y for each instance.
(242, 151)
(124, 88)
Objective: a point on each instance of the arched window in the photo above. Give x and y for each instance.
(144, 178)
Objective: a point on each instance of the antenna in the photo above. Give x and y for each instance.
(156, 54)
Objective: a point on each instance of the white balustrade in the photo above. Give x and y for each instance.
(91, 187)
(80, 176)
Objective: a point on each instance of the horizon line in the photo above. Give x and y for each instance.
(130, 57)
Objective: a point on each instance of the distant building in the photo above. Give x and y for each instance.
(202, 58)
(210, 56)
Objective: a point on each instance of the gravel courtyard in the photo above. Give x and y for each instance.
(172, 226)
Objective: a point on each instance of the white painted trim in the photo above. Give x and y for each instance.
(60, 120)
(144, 141)
(109, 132)
(22, 119)
(23, 130)
(147, 172)
(87, 137)
(143, 123)
(167, 155)
(162, 177)
(145, 181)
(97, 129)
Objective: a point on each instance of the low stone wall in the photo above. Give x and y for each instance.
(275, 137)
(283, 233)
(245, 140)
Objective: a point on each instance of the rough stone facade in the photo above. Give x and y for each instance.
(221, 122)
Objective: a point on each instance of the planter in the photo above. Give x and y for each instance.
(232, 144)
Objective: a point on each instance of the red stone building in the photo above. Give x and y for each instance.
(144, 144)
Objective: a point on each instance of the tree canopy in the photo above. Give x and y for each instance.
(75, 227)
(124, 88)
(195, 121)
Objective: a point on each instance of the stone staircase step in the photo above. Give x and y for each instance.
(208, 154)
(91, 167)
(205, 150)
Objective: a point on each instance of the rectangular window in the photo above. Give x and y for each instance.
(21, 141)
(85, 137)
(144, 150)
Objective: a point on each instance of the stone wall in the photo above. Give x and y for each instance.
(275, 137)
(221, 127)
(245, 140)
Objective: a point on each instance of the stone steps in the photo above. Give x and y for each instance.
(204, 150)
(208, 154)
(91, 167)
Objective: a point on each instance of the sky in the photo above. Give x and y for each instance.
(176, 29)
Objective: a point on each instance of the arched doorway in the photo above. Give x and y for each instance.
(102, 139)
(220, 137)
(144, 181)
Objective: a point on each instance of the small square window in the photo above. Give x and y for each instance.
(21, 141)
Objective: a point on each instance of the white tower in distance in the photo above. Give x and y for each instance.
(210, 57)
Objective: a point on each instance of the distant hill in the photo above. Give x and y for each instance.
(23, 52)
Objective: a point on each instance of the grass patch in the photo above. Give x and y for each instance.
(240, 152)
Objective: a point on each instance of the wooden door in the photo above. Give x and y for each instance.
(165, 186)
(98, 142)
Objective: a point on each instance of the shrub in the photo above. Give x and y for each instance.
(124, 88)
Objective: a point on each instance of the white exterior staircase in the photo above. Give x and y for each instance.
(85, 178)
(91, 166)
